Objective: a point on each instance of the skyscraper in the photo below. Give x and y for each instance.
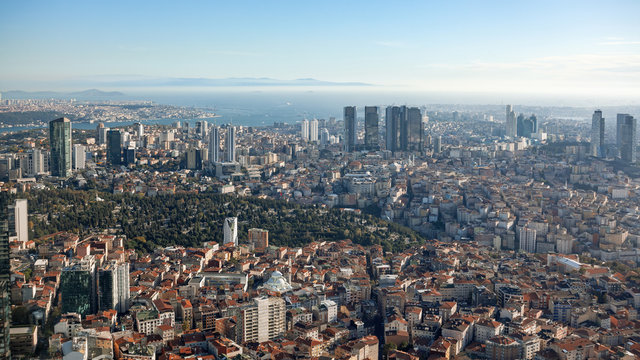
(392, 120)
(304, 129)
(619, 126)
(113, 287)
(214, 145)
(230, 229)
(597, 134)
(79, 156)
(5, 277)
(60, 141)
(371, 128)
(324, 137)
(78, 287)
(313, 130)
(201, 128)
(114, 147)
(627, 132)
(414, 130)
(230, 144)
(510, 122)
(18, 217)
(526, 126)
(350, 122)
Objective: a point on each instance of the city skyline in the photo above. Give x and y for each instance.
(584, 48)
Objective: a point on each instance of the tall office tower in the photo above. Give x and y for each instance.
(114, 147)
(350, 128)
(230, 229)
(122, 279)
(140, 130)
(230, 144)
(437, 144)
(201, 128)
(526, 126)
(392, 120)
(324, 137)
(79, 157)
(619, 125)
(263, 320)
(214, 145)
(371, 128)
(259, 238)
(510, 122)
(527, 239)
(113, 287)
(18, 216)
(313, 130)
(304, 129)
(597, 134)
(414, 133)
(628, 139)
(60, 141)
(35, 162)
(107, 287)
(5, 278)
(78, 287)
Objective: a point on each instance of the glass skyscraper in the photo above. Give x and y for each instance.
(60, 141)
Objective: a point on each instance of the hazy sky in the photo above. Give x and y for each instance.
(584, 47)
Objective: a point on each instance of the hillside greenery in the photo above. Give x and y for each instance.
(190, 219)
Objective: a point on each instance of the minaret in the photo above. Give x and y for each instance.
(290, 271)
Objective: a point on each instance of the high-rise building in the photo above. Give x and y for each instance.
(510, 123)
(107, 287)
(35, 162)
(5, 278)
(371, 120)
(597, 134)
(193, 159)
(259, 238)
(230, 144)
(214, 145)
(313, 130)
(350, 128)
(60, 141)
(202, 128)
(114, 147)
(414, 133)
(18, 216)
(437, 144)
(627, 132)
(263, 320)
(324, 137)
(527, 237)
(122, 279)
(619, 125)
(230, 230)
(526, 126)
(78, 287)
(304, 129)
(392, 121)
(113, 287)
(79, 157)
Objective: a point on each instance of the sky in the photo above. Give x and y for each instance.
(552, 47)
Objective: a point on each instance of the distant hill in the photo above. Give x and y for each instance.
(91, 94)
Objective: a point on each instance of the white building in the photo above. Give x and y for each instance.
(313, 130)
(527, 239)
(304, 129)
(264, 320)
(230, 229)
(122, 278)
(19, 221)
(79, 156)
